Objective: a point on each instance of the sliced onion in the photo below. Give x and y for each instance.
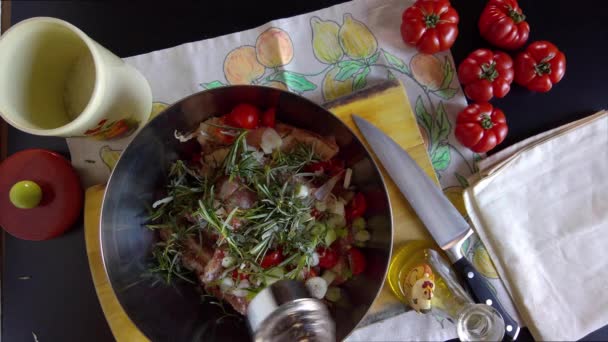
(317, 287)
(226, 284)
(347, 176)
(228, 261)
(184, 137)
(314, 259)
(239, 292)
(325, 189)
(271, 140)
(162, 201)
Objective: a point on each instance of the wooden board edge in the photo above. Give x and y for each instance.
(362, 94)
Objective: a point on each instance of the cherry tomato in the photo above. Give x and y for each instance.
(269, 117)
(331, 167)
(481, 127)
(238, 275)
(356, 260)
(430, 25)
(503, 24)
(328, 257)
(540, 66)
(218, 134)
(485, 74)
(272, 259)
(244, 115)
(356, 207)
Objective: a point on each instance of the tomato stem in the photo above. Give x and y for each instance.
(516, 16)
(542, 68)
(486, 121)
(488, 71)
(431, 20)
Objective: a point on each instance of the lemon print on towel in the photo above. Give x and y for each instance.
(350, 49)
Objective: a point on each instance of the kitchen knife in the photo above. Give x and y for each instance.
(443, 221)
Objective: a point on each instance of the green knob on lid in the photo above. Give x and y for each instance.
(25, 194)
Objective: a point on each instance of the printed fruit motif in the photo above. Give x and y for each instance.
(427, 70)
(325, 42)
(157, 107)
(333, 89)
(425, 136)
(483, 263)
(241, 66)
(274, 48)
(454, 194)
(278, 85)
(356, 39)
(112, 130)
(109, 156)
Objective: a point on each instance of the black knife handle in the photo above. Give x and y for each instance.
(483, 294)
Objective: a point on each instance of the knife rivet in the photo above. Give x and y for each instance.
(489, 302)
(470, 275)
(509, 328)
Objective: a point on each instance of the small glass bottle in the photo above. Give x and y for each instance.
(420, 277)
(284, 311)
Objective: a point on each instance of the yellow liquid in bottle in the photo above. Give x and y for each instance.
(405, 265)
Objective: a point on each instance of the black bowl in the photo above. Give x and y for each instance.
(175, 312)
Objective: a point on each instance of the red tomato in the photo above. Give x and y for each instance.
(540, 66)
(244, 115)
(331, 167)
(430, 25)
(503, 24)
(238, 275)
(356, 260)
(481, 127)
(485, 74)
(272, 259)
(356, 207)
(269, 117)
(328, 257)
(216, 132)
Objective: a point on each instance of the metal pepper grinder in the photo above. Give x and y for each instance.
(285, 311)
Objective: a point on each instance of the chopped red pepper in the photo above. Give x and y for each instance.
(356, 260)
(272, 259)
(356, 207)
(328, 257)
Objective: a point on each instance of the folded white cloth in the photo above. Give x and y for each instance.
(541, 209)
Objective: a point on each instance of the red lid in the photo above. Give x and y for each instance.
(61, 202)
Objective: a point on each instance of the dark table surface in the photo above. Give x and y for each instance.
(58, 302)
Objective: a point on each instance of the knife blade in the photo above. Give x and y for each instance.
(441, 218)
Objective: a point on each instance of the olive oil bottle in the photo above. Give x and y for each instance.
(421, 278)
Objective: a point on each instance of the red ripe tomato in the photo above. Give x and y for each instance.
(328, 257)
(218, 134)
(356, 260)
(244, 115)
(272, 259)
(331, 167)
(356, 207)
(430, 25)
(540, 66)
(481, 127)
(269, 117)
(240, 276)
(485, 74)
(503, 24)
